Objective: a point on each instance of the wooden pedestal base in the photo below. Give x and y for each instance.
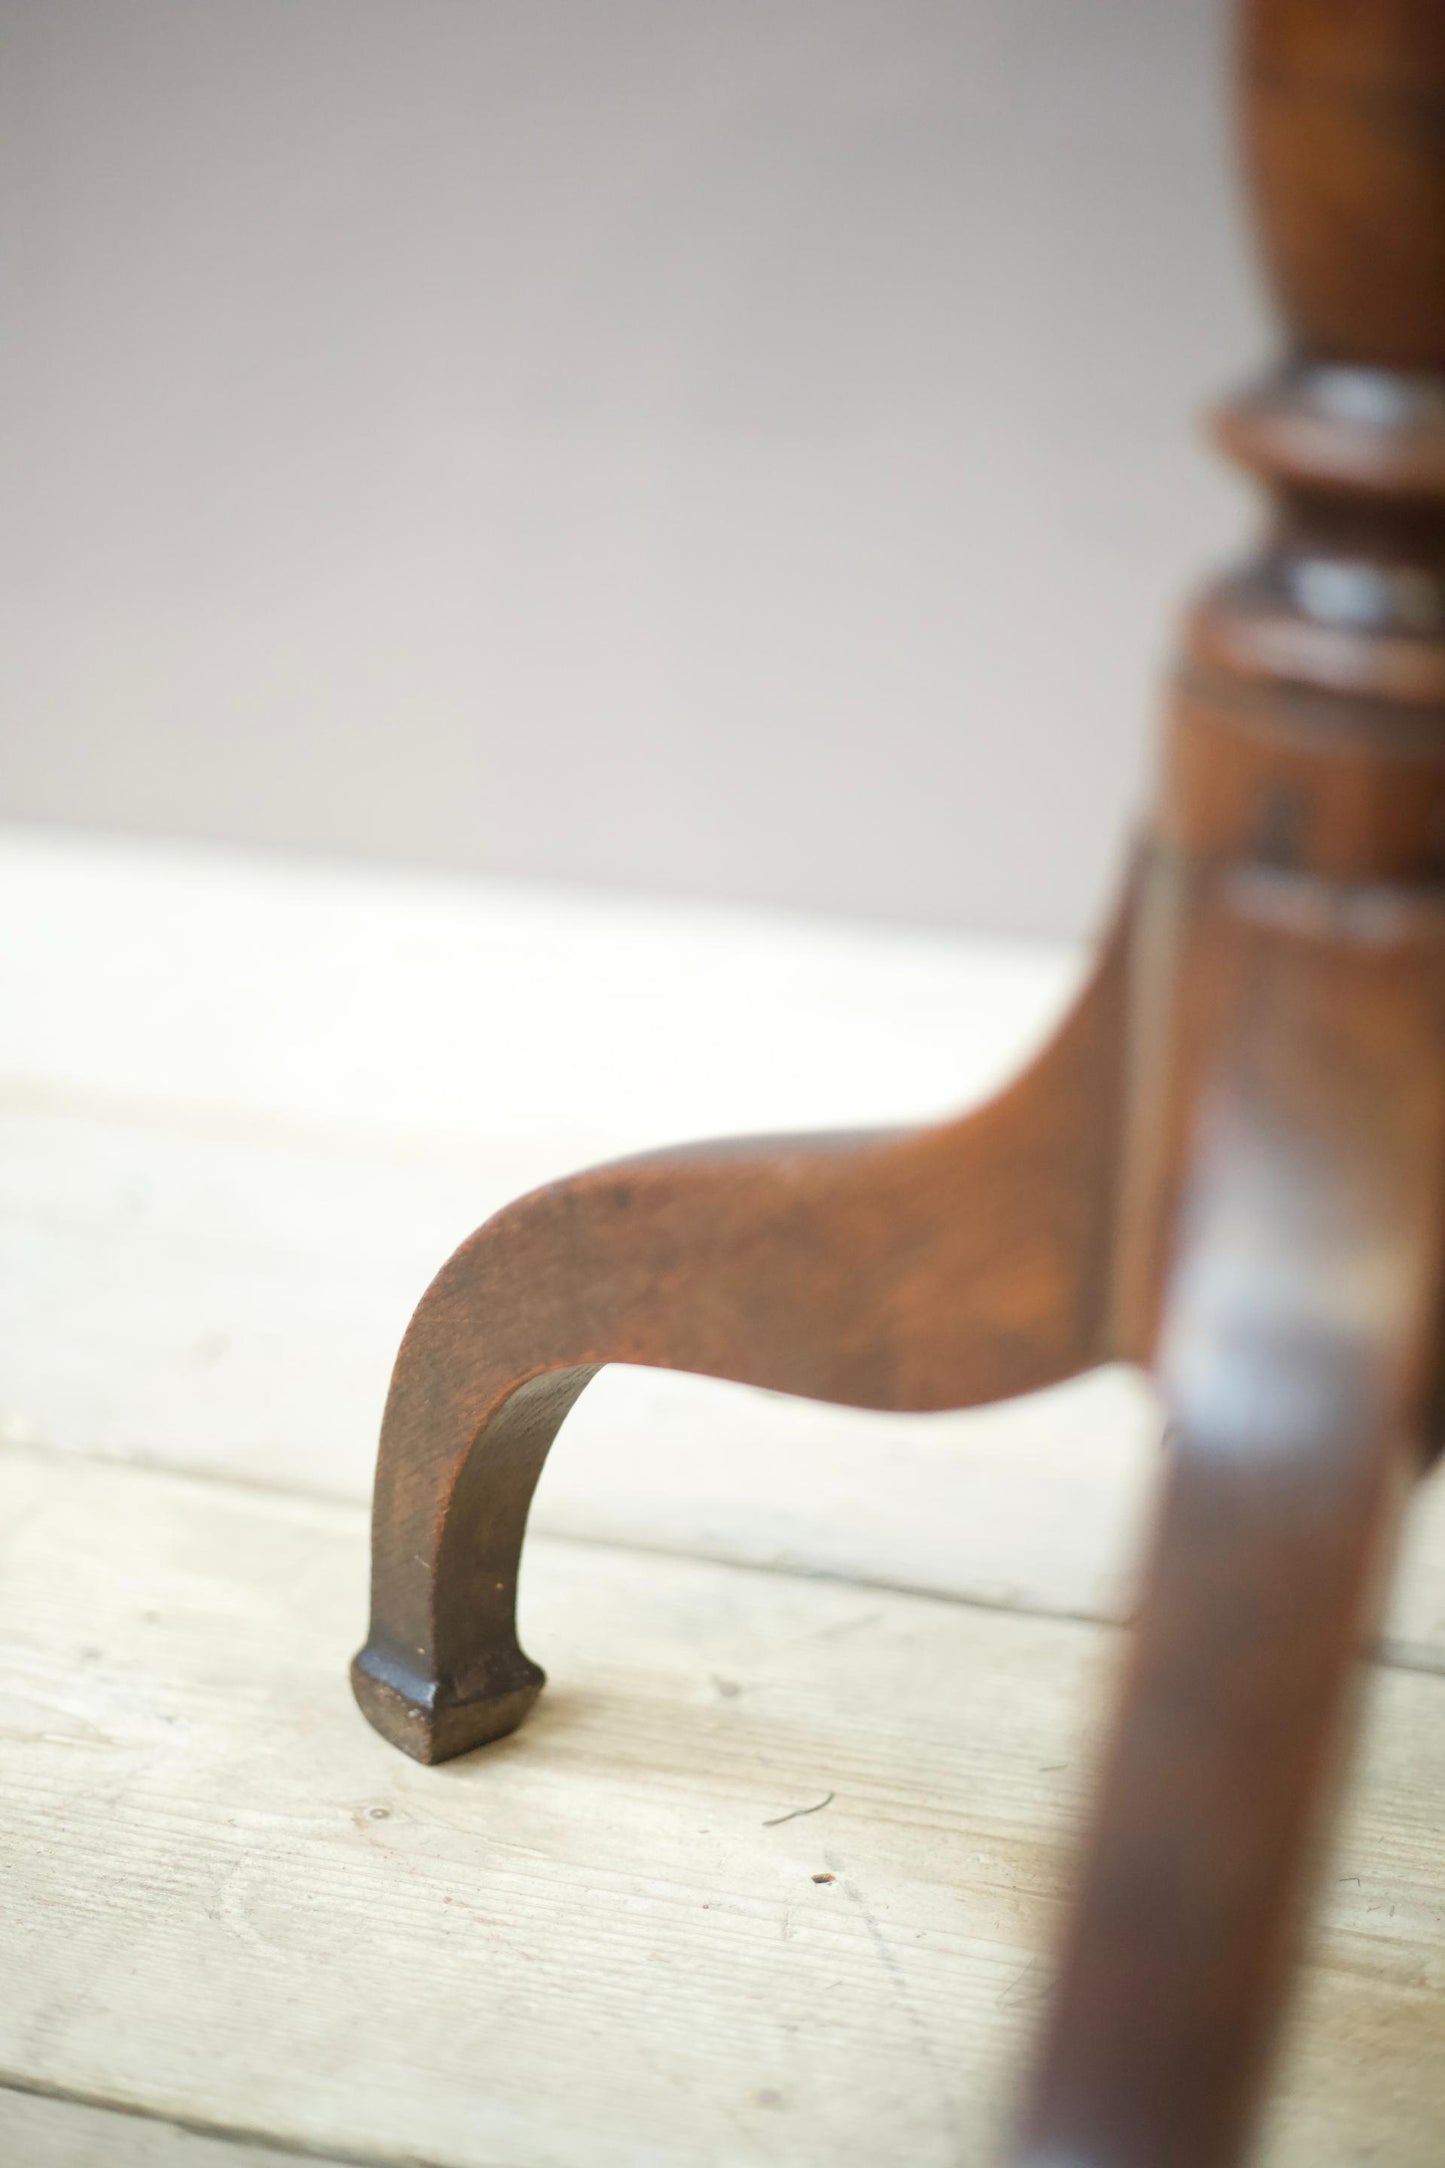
(989, 1257)
(1230, 1165)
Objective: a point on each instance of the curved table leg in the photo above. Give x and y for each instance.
(910, 1270)
(1296, 1356)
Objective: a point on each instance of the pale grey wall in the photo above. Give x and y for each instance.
(728, 445)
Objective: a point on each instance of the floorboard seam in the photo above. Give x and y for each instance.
(232, 2134)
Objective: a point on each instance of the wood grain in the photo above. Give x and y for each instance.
(1298, 1356)
(38, 2130)
(227, 1899)
(913, 1270)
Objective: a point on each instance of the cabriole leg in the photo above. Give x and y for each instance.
(928, 1269)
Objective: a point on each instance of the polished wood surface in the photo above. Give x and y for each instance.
(1231, 1167)
(838, 1267)
(1296, 1359)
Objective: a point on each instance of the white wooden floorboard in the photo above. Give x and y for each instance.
(444, 1011)
(587, 1947)
(39, 2132)
(245, 1109)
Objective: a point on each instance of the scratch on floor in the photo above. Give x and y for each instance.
(888, 1958)
(793, 1813)
(1032, 1985)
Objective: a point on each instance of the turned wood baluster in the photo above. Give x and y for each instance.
(1285, 1187)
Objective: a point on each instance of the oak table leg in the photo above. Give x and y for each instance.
(928, 1269)
(1296, 1358)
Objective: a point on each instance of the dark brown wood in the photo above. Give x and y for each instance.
(1296, 1359)
(928, 1269)
(1229, 1165)
(1279, 1238)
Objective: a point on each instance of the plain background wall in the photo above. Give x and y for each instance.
(733, 446)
